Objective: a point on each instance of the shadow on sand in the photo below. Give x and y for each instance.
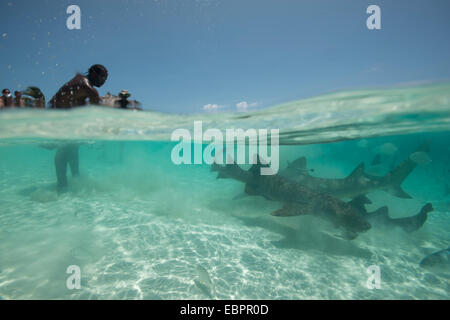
(306, 238)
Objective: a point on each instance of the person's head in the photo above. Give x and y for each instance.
(18, 93)
(6, 92)
(124, 94)
(97, 75)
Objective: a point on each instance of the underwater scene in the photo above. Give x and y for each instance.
(363, 185)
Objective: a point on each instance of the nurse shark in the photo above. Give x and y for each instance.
(437, 260)
(381, 216)
(297, 198)
(358, 182)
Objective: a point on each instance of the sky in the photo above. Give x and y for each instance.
(187, 56)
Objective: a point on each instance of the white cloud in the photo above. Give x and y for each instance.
(211, 107)
(244, 105)
(373, 69)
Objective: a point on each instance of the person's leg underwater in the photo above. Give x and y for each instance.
(61, 169)
(67, 154)
(73, 157)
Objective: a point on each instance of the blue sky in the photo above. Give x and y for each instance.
(181, 55)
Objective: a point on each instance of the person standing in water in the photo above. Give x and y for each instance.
(123, 101)
(6, 100)
(74, 94)
(18, 100)
(38, 100)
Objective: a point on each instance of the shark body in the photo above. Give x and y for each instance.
(358, 182)
(439, 259)
(298, 199)
(301, 199)
(380, 217)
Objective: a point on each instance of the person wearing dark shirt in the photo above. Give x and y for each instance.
(75, 93)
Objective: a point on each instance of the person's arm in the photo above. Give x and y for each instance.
(91, 93)
(94, 97)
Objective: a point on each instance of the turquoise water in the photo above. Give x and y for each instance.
(141, 227)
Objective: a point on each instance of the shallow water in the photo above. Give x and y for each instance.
(141, 227)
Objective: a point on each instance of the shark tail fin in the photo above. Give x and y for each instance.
(413, 223)
(399, 192)
(396, 177)
(357, 172)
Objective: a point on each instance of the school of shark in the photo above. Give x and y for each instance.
(301, 193)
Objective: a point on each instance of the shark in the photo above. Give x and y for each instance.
(358, 182)
(380, 217)
(298, 199)
(437, 260)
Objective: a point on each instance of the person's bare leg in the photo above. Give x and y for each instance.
(73, 157)
(61, 169)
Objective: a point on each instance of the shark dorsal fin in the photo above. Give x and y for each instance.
(260, 163)
(359, 202)
(357, 172)
(254, 169)
(298, 164)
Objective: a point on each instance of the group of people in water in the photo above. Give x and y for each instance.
(33, 99)
(74, 93)
(77, 92)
